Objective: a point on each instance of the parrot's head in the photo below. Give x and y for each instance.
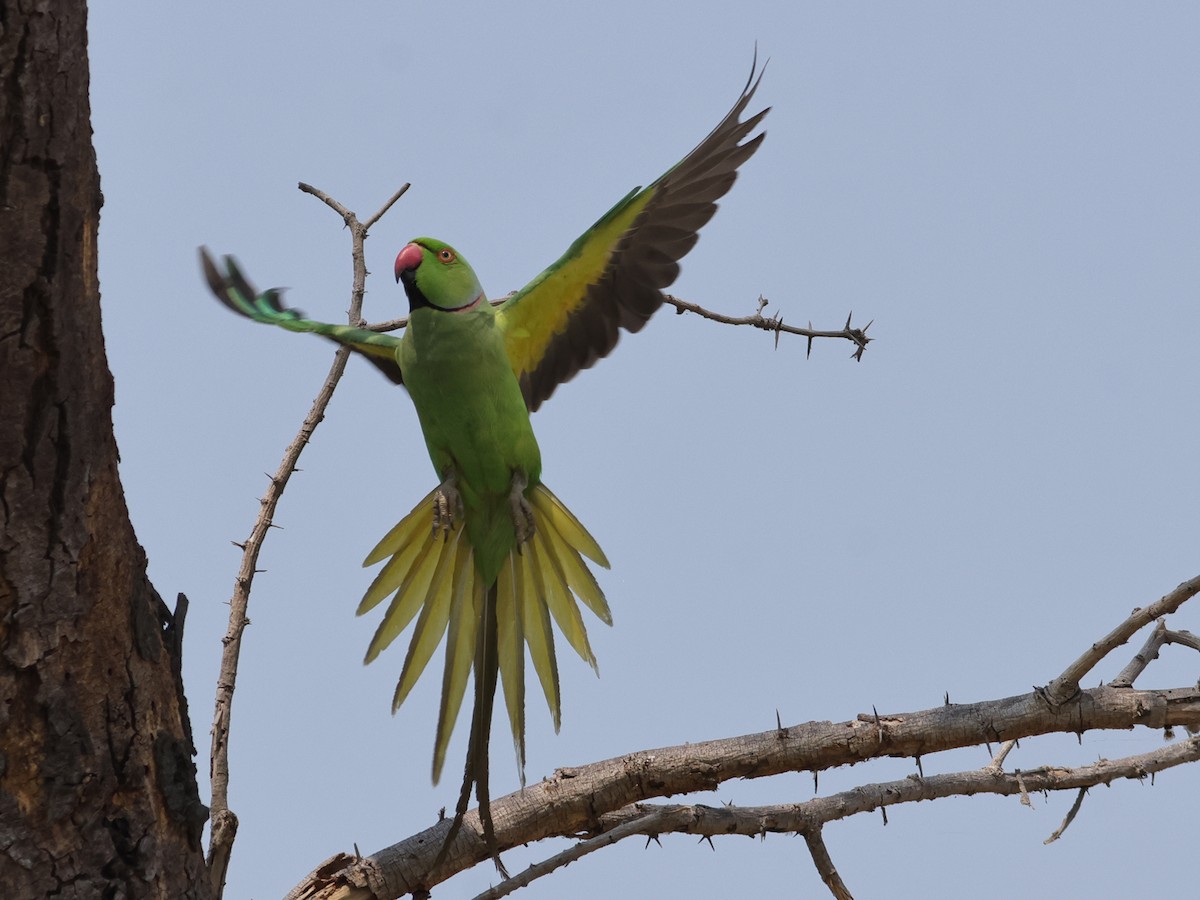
(434, 275)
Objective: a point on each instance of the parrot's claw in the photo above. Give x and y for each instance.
(522, 512)
(447, 506)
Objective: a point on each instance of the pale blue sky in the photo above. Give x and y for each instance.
(1010, 191)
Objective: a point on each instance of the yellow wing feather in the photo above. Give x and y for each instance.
(613, 275)
(530, 325)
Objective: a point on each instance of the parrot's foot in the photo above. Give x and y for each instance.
(522, 512)
(447, 506)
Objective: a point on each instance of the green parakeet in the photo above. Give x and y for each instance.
(504, 558)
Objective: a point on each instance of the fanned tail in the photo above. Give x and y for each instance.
(434, 578)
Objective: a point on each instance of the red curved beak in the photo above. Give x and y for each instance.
(408, 259)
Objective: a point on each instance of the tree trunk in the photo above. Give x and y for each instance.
(97, 785)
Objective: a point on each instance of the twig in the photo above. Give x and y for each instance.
(857, 336)
(386, 206)
(1149, 652)
(997, 763)
(1066, 685)
(1058, 832)
(824, 863)
(644, 824)
(224, 821)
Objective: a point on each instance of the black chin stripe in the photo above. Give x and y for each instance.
(415, 298)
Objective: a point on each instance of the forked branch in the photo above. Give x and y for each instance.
(223, 819)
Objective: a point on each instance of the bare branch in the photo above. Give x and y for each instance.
(347, 215)
(343, 877)
(1149, 652)
(1066, 685)
(857, 336)
(1071, 813)
(645, 823)
(224, 821)
(575, 801)
(386, 206)
(599, 798)
(803, 818)
(997, 763)
(823, 862)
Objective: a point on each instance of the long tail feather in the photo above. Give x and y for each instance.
(567, 525)
(466, 611)
(411, 593)
(475, 773)
(431, 624)
(403, 532)
(510, 634)
(539, 633)
(559, 600)
(575, 571)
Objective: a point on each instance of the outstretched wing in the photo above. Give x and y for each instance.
(612, 277)
(236, 292)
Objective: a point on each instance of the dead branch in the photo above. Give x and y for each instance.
(1149, 652)
(1066, 684)
(592, 801)
(223, 819)
(857, 336)
(824, 863)
(647, 823)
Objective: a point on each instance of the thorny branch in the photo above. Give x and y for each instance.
(773, 324)
(647, 824)
(224, 821)
(595, 801)
(809, 818)
(857, 336)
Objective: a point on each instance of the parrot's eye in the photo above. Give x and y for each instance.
(446, 255)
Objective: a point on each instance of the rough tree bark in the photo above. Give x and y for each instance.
(97, 786)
